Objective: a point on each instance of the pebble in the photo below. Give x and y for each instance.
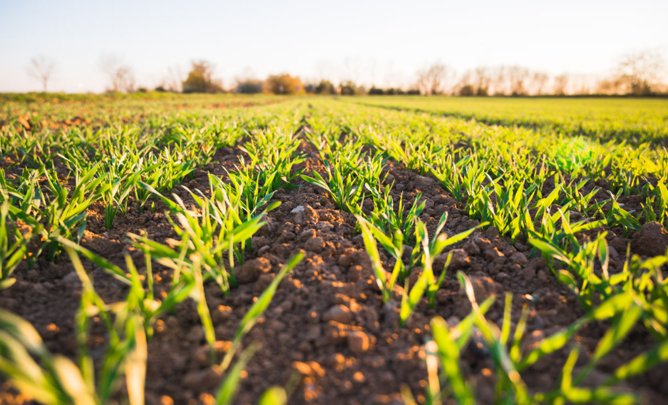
(71, 279)
(519, 258)
(483, 243)
(423, 181)
(358, 377)
(310, 368)
(307, 234)
(299, 208)
(338, 313)
(358, 341)
(492, 253)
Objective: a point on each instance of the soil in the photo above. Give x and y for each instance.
(327, 335)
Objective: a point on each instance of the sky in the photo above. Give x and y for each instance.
(381, 42)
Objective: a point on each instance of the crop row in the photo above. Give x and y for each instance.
(508, 194)
(623, 120)
(213, 232)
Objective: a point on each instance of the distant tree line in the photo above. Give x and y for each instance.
(637, 74)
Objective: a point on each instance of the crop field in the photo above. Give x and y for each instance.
(215, 249)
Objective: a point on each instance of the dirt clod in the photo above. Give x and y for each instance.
(338, 313)
(358, 341)
(251, 270)
(650, 240)
(314, 244)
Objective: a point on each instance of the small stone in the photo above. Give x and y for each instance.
(166, 400)
(519, 258)
(338, 313)
(358, 341)
(71, 279)
(310, 368)
(614, 255)
(206, 398)
(310, 214)
(299, 218)
(423, 181)
(299, 208)
(358, 377)
(307, 234)
(483, 243)
(492, 253)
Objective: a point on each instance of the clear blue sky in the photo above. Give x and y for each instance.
(383, 42)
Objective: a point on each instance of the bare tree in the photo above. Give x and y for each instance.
(517, 77)
(560, 86)
(172, 80)
(41, 68)
(433, 79)
(539, 82)
(639, 72)
(121, 76)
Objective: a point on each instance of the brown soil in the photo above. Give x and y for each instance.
(327, 335)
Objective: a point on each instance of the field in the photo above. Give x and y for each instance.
(171, 249)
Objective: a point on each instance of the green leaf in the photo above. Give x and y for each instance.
(449, 353)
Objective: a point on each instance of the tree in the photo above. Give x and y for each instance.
(200, 79)
(172, 81)
(121, 77)
(432, 80)
(560, 87)
(539, 82)
(638, 73)
(350, 88)
(41, 68)
(325, 87)
(283, 84)
(249, 86)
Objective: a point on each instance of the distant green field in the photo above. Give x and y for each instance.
(632, 120)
